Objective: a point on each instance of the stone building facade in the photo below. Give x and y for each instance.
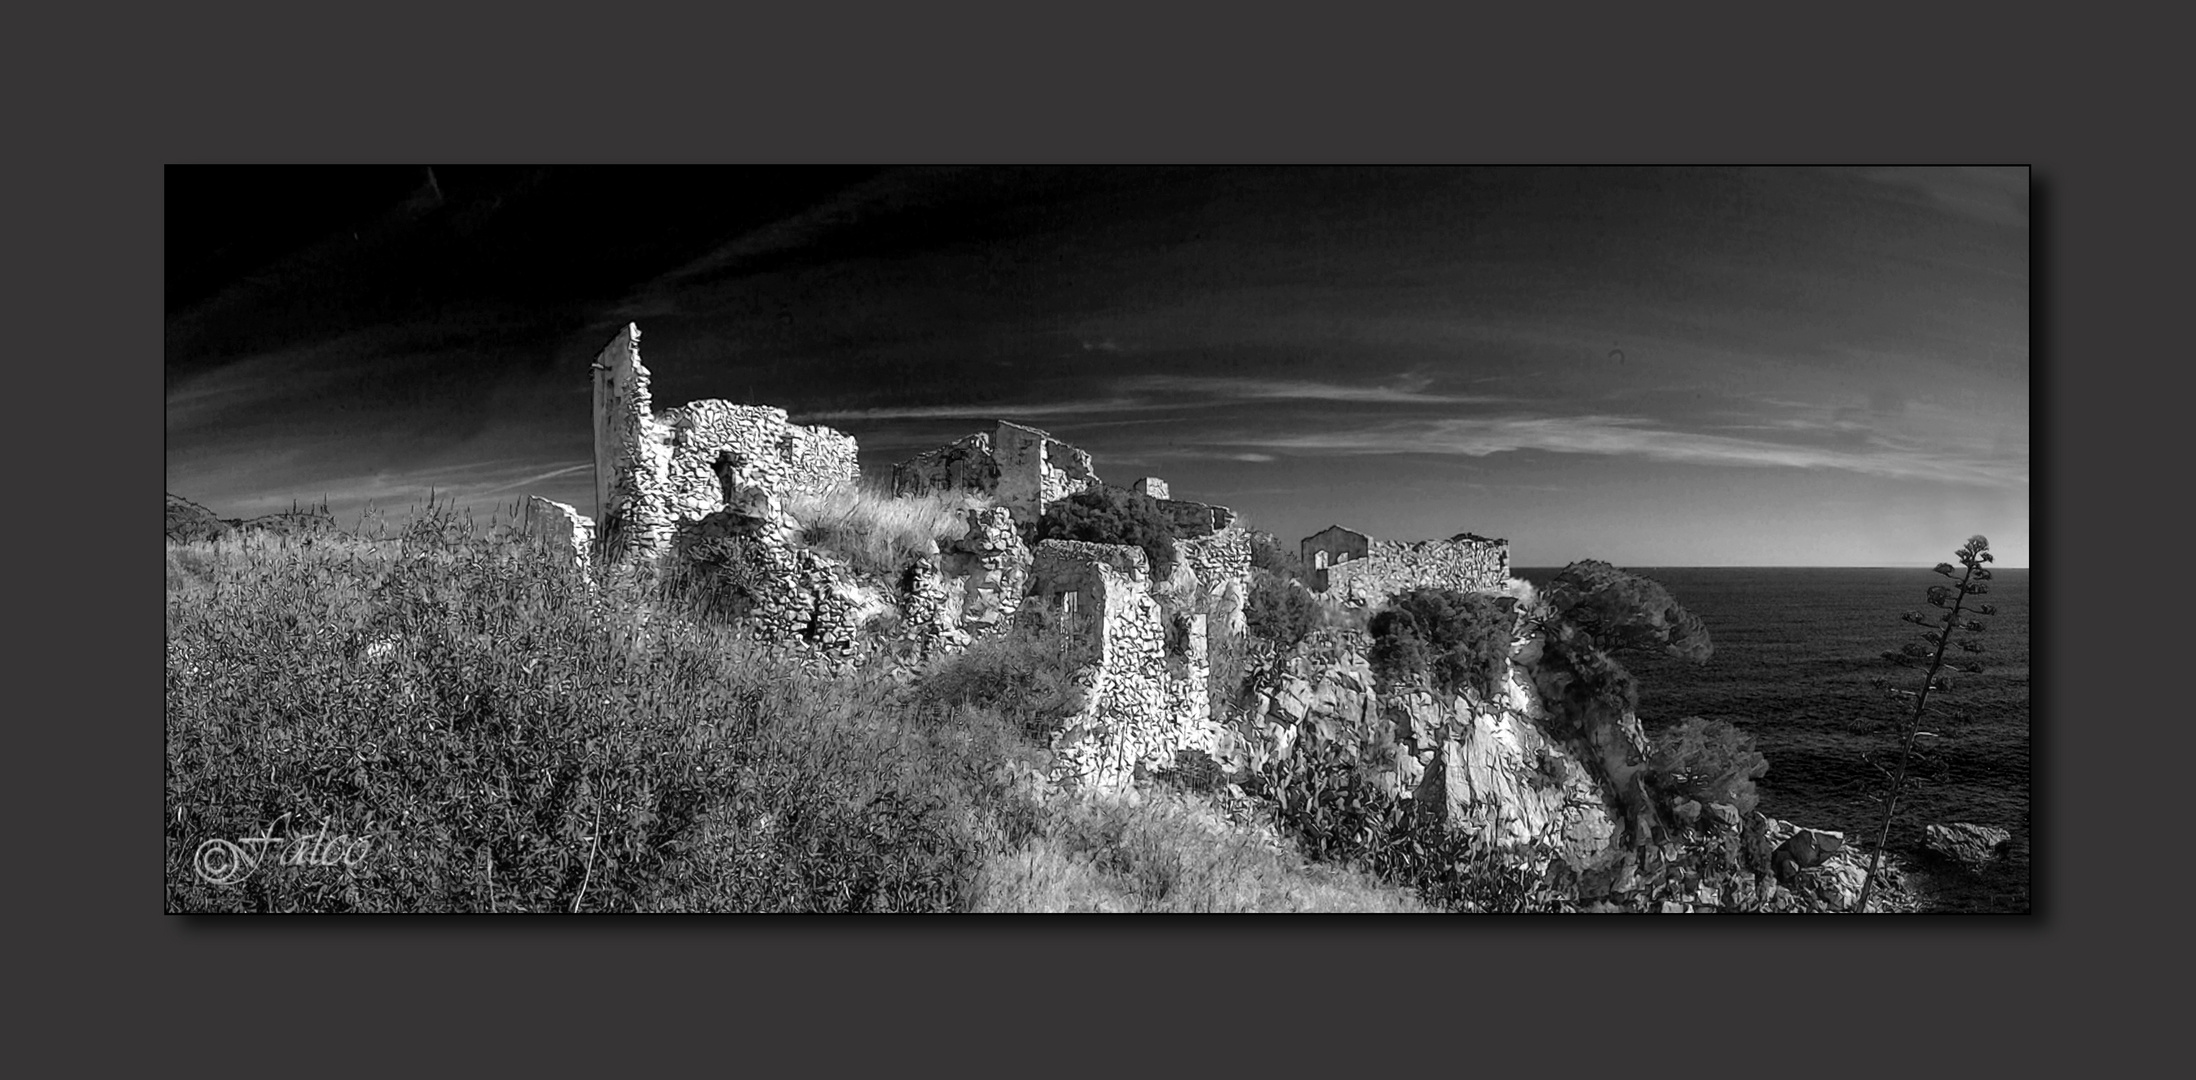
(1021, 468)
(654, 472)
(1359, 570)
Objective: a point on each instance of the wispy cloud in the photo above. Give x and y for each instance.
(1406, 391)
(1634, 437)
(979, 412)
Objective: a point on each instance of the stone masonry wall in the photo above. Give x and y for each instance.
(1022, 468)
(564, 527)
(1465, 562)
(1222, 563)
(653, 473)
(965, 464)
(632, 453)
(1141, 705)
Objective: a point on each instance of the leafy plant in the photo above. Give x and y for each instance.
(1936, 638)
(1622, 610)
(1106, 515)
(1325, 802)
(1709, 761)
(1451, 639)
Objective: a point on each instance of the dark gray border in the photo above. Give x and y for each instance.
(1038, 993)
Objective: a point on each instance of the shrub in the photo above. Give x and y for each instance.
(1268, 554)
(717, 580)
(1449, 639)
(875, 532)
(1105, 515)
(1279, 610)
(1326, 803)
(1710, 761)
(1025, 675)
(521, 741)
(1621, 610)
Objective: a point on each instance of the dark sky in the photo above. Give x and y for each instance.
(1657, 367)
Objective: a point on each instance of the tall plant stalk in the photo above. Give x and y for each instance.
(1973, 580)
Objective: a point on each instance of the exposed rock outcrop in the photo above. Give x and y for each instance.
(1961, 842)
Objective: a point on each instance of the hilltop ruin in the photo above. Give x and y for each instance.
(1358, 570)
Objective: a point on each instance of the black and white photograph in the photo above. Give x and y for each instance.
(1429, 539)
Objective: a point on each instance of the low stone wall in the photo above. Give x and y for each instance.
(1465, 563)
(565, 528)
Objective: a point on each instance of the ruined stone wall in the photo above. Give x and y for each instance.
(1036, 470)
(632, 453)
(1328, 547)
(565, 528)
(1466, 563)
(1142, 705)
(1195, 518)
(653, 473)
(1222, 563)
(965, 464)
(798, 595)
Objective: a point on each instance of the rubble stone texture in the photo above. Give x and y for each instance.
(653, 473)
(1356, 569)
(1142, 706)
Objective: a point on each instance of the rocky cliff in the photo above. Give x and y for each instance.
(1540, 772)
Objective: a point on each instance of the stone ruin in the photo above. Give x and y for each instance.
(1360, 571)
(655, 472)
(1145, 700)
(1020, 468)
(670, 486)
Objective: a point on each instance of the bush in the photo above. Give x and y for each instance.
(1279, 610)
(487, 731)
(1449, 639)
(1710, 761)
(1025, 675)
(718, 580)
(1621, 610)
(1106, 515)
(1268, 554)
(1325, 802)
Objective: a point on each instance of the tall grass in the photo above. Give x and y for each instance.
(875, 532)
(486, 729)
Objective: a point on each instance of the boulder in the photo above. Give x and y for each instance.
(1965, 843)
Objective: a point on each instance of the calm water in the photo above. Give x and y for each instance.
(1797, 653)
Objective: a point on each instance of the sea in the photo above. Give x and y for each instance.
(1798, 664)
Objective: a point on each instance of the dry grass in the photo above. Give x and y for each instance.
(1167, 851)
(877, 533)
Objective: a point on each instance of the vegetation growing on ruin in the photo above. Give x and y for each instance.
(1106, 515)
(877, 533)
(484, 731)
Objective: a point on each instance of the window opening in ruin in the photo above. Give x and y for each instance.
(1319, 560)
